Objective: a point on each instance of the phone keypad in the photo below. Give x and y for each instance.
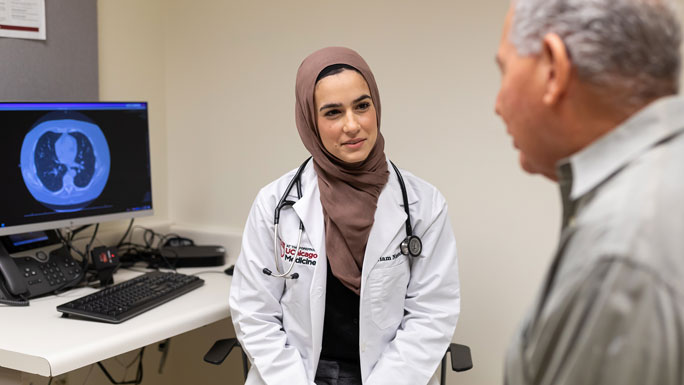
(45, 275)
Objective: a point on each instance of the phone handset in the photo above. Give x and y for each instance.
(12, 285)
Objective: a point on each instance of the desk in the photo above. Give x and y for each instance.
(36, 339)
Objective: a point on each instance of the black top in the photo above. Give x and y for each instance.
(341, 323)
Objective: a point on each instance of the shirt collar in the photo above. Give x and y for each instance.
(592, 165)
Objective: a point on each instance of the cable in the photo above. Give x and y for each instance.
(150, 251)
(134, 252)
(78, 230)
(90, 370)
(138, 376)
(84, 256)
(66, 242)
(126, 365)
(130, 224)
(152, 248)
(90, 244)
(151, 234)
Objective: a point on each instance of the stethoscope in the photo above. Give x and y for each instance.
(411, 245)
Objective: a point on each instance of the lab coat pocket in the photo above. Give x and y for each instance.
(387, 291)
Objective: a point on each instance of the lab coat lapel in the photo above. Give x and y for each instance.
(389, 220)
(310, 211)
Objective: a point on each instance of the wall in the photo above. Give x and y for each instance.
(61, 68)
(132, 64)
(219, 76)
(680, 9)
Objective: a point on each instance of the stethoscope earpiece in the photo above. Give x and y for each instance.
(269, 272)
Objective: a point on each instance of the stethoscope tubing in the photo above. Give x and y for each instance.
(296, 180)
(283, 202)
(275, 254)
(404, 196)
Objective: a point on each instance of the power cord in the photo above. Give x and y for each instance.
(151, 251)
(67, 242)
(138, 376)
(128, 230)
(90, 370)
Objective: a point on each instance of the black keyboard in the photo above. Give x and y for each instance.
(127, 299)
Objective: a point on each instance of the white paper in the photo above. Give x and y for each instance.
(23, 19)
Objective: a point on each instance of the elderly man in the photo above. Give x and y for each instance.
(588, 94)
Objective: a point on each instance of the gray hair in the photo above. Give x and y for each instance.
(629, 48)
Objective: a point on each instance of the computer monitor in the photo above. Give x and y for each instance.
(70, 164)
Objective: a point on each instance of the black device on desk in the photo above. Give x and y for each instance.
(183, 252)
(127, 299)
(36, 269)
(193, 255)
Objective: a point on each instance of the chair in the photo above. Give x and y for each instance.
(460, 360)
(221, 349)
(460, 356)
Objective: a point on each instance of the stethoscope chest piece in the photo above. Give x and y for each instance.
(412, 246)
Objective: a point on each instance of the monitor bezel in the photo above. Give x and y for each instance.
(69, 223)
(92, 219)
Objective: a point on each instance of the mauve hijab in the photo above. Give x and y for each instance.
(349, 191)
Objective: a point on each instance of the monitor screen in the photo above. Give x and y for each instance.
(68, 164)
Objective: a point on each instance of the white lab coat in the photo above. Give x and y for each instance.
(408, 306)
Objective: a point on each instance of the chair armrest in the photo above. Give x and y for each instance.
(221, 349)
(461, 359)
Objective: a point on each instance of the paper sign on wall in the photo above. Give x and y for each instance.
(22, 19)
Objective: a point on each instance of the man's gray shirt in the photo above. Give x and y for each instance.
(611, 310)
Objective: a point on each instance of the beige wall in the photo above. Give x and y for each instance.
(219, 76)
(132, 67)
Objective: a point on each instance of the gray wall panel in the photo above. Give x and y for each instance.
(63, 67)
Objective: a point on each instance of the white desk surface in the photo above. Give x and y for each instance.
(36, 339)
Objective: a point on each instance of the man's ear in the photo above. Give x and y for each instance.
(558, 68)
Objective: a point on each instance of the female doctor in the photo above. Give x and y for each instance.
(335, 283)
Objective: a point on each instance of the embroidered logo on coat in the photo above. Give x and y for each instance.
(305, 256)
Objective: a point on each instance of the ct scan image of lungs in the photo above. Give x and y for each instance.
(65, 162)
